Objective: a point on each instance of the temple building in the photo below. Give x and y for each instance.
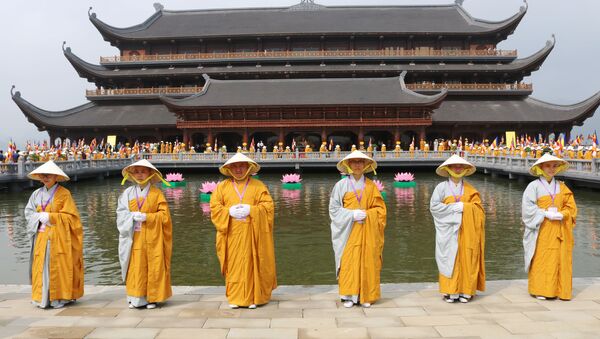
(310, 73)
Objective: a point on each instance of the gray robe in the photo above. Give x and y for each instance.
(447, 219)
(125, 225)
(342, 218)
(533, 216)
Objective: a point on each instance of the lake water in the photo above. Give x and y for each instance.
(302, 235)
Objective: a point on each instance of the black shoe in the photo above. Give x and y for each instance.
(449, 300)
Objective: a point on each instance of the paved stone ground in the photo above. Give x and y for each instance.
(505, 310)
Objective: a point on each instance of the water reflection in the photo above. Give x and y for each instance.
(302, 235)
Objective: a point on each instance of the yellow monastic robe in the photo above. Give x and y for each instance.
(469, 267)
(66, 250)
(551, 270)
(149, 272)
(361, 262)
(245, 248)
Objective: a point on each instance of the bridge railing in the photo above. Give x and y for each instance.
(296, 157)
(20, 169)
(576, 166)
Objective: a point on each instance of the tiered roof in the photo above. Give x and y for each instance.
(311, 20)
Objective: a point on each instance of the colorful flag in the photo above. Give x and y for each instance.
(330, 144)
(293, 144)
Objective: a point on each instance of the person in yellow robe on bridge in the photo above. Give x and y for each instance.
(549, 213)
(358, 220)
(56, 234)
(242, 211)
(397, 149)
(145, 237)
(383, 150)
(460, 232)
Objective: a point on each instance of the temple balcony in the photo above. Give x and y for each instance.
(474, 88)
(144, 92)
(385, 54)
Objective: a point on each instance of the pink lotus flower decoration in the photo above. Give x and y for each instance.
(405, 176)
(379, 185)
(205, 208)
(291, 178)
(208, 187)
(174, 177)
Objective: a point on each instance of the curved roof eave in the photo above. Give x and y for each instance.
(43, 118)
(111, 33)
(582, 110)
(428, 100)
(84, 69)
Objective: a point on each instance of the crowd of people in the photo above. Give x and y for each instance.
(242, 211)
(525, 146)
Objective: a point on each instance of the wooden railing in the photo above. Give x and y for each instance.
(478, 86)
(390, 52)
(142, 91)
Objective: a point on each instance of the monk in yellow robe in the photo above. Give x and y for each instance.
(358, 220)
(460, 232)
(56, 234)
(145, 237)
(243, 214)
(548, 213)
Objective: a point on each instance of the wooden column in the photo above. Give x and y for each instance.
(361, 134)
(245, 136)
(281, 137)
(323, 135)
(396, 134)
(186, 137)
(209, 137)
(422, 135)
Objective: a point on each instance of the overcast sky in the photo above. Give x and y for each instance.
(33, 31)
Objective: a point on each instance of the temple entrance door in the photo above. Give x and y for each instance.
(380, 137)
(440, 136)
(343, 138)
(268, 139)
(197, 140)
(230, 139)
(407, 138)
(146, 138)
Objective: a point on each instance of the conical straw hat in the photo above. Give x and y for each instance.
(455, 160)
(239, 157)
(127, 171)
(537, 171)
(48, 168)
(343, 166)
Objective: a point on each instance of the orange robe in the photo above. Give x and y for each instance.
(551, 269)
(361, 259)
(65, 236)
(149, 269)
(468, 274)
(245, 248)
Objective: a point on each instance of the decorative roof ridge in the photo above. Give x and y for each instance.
(277, 9)
(436, 97)
(31, 109)
(169, 101)
(540, 54)
(135, 28)
(587, 103)
(490, 23)
(75, 60)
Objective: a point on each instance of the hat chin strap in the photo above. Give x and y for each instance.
(243, 176)
(454, 174)
(143, 182)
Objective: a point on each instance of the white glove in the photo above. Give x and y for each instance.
(458, 206)
(238, 211)
(359, 215)
(553, 215)
(244, 210)
(44, 217)
(556, 216)
(139, 216)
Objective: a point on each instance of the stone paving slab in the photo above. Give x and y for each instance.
(414, 310)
